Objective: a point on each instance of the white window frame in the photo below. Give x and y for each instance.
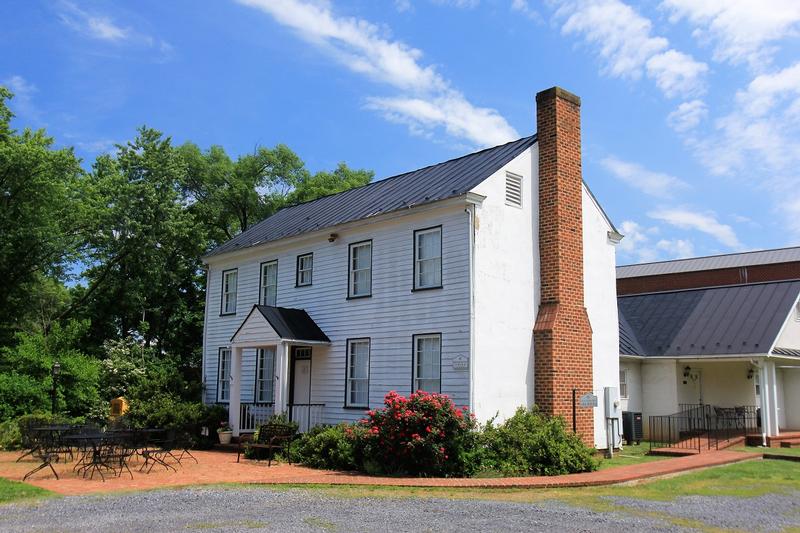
(266, 284)
(229, 294)
(352, 270)
(265, 377)
(349, 377)
(224, 375)
(435, 261)
(303, 269)
(623, 383)
(436, 369)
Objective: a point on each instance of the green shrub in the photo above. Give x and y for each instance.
(329, 447)
(424, 434)
(531, 443)
(170, 412)
(11, 430)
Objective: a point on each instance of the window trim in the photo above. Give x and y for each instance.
(258, 368)
(222, 311)
(347, 404)
(414, 358)
(219, 369)
(414, 287)
(261, 281)
(350, 270)
(623, 372)
(297, 271)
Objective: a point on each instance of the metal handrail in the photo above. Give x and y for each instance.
(702, 426)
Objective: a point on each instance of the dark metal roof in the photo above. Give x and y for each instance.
(738, 319)
(429, 184)
(759, 257)
(293, 324)
(290, 324)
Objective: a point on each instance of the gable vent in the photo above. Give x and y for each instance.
(513, 189)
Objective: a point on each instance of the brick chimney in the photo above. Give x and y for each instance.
(562, 333)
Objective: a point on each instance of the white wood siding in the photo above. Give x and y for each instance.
(389, 317)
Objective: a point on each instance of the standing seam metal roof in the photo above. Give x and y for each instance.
(760, 257)
(738, 319)
(429, 184)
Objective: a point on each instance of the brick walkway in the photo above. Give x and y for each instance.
(221, 467)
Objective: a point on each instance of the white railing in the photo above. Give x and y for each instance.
(252, 415)
(307, 415)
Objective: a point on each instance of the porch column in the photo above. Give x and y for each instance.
(773, 400)
(235, 390)
(282, 378)
(766, 413)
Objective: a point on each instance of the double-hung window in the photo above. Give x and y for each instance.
(623, 383)
(230, 281)
(224, 375)
(427, 362)
(305, 267)
(360, 274)
(357, 385)
(428, 258)
(265, 370)
(269, 283)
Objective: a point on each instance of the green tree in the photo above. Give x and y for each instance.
(40, 232)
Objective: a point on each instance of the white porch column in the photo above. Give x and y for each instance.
(773, 400)
(766, 418)
(282, 378)
(235, 390)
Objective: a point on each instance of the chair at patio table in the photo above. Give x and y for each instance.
(159, 450)
(47, 450)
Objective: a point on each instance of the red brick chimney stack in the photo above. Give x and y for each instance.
(562, 333)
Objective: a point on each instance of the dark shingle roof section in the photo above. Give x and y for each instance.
(293, 324)
(430, 184)
(739, 319)
(786, 351)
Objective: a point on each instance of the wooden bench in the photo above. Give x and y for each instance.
(269, 437)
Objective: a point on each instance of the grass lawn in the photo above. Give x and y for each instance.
(774, 451)
(631, 455)
(11, 491)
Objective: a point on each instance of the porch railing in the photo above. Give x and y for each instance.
(702, 427)
(252, 415)
(307, 415)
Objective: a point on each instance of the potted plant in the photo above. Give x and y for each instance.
(225, 432)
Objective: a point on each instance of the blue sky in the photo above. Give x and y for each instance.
(691, 108)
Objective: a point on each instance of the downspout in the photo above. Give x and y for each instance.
(203, 380)
(471, 215)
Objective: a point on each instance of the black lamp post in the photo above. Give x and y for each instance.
(56, 370)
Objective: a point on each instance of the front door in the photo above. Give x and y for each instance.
(301, 375)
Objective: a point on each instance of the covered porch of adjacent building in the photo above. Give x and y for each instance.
(283, 343)
(713, 398)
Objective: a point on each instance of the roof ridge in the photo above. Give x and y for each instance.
(689, 289)
(710, 256)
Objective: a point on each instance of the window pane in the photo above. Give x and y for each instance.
(269, 284)
(427, 366)
(428, 260)
(229, 292)
(358, 373)
(224, 375)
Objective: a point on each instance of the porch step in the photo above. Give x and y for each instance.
(672, 452)
(791, 443)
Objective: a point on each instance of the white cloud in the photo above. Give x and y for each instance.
(649, 182)
(742, 30)
(766, 91)
(462, 4)
(428, 100)
(627, 45)
(524, 7)
(676, 248)
(403, 5)
(703, 222)
(687, 115)
(22, 104)
(638, 245)
(90, 25)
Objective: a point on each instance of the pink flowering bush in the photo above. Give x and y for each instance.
(423, 434)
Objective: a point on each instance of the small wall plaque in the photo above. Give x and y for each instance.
(589, 400)
(461, 363)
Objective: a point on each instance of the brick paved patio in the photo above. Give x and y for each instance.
(221, 467)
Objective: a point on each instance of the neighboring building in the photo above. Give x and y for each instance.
(720, 331)
(489, 278)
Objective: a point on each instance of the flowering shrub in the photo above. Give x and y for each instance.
(330, 447)
(424, 434)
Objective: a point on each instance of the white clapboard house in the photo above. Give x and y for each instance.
(433, 280)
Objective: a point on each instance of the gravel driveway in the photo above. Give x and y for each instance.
(231, 510)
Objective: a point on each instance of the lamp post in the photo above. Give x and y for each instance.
(56, 370)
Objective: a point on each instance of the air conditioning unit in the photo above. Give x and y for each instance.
(632, 430)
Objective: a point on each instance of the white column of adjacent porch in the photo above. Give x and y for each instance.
(235, 400)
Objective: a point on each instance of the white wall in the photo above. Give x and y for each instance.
(506, 291)
(659, 389)
(790, 336)
(390, 317)
(634, 400)
(791, 397)
(723, 383)
(600, 296)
